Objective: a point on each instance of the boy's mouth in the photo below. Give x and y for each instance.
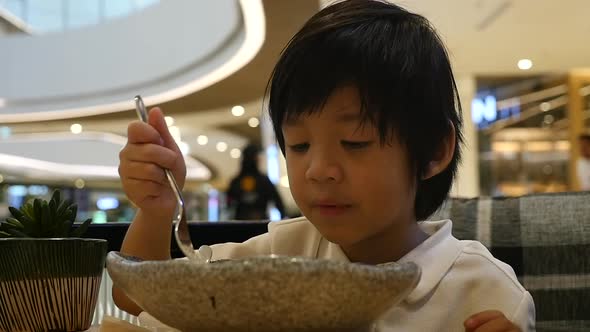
(331, 208)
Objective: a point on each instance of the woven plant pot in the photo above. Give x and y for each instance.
(49, 284)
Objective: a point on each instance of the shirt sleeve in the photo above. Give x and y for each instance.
(524, 316)
(291, 237)
(256, 246)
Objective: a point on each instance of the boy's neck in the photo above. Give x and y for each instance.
(388, 246)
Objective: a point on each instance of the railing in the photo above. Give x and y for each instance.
(105, 305)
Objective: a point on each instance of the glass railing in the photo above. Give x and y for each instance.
(44, 16)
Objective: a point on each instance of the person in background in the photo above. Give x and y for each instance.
(583, 167)
(250, 192)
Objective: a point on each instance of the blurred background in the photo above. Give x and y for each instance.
(69, 70)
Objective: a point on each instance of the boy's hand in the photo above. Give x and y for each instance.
(151, 148)
(490, 321)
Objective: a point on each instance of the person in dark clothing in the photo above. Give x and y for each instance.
(250, 191)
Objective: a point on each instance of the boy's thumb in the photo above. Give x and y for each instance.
(156, 119)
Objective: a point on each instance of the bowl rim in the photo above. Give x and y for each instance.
(268, 262)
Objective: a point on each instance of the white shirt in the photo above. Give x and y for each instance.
(584, 173)
(459, 278)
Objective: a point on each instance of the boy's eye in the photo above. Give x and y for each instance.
(355, 145)
(299, 147)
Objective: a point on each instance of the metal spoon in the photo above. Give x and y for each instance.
(181, 231)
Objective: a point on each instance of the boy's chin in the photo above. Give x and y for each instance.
(342, 237)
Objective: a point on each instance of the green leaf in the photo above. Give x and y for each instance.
(48, 227)
(16, 233)
(65, 229)
(37, 210)
(4, 234)
(28, 210)
(15, 223)
(78, 232)
(62, 210)
(56, 197)
(70, 218)
(4, 226)
(18, 214)
(74, 209)
(24, 219)
(52, 211)
(67, 217)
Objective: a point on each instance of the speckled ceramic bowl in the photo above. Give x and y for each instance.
(263, 293)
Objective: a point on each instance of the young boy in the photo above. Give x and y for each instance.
(365, 110)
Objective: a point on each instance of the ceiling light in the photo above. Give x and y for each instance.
(548, 119)
(545, 106)
(238, 110)
(79, 183)
(253, 122)
(235, 153)
(221, 146)
(525, 64)
(76, 128)
(169, 120)
(202, 140)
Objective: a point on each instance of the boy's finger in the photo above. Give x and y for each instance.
(156, 119)
(139, 132)
(496, 325)
(143, 171)
(480, 318)
(148, 153)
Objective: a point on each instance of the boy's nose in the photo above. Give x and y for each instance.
(321, 169)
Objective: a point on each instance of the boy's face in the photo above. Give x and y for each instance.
(349, 185)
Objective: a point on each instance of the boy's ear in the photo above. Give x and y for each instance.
(443, 156)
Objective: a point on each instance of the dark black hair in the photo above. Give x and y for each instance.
(250, 159)
(401, 69)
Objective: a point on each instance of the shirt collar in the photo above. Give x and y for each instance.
(434, 256)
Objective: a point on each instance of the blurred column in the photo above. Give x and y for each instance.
(577, 79)
(275, 165)
(467, 182)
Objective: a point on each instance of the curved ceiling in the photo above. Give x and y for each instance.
(165, 52)
(55, 156)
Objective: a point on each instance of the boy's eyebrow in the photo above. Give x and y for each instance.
(292, 121)
(343, 116)
(348, 117)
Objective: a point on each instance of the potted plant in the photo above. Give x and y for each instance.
(49, 276)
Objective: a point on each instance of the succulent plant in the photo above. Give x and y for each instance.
(41, 219)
